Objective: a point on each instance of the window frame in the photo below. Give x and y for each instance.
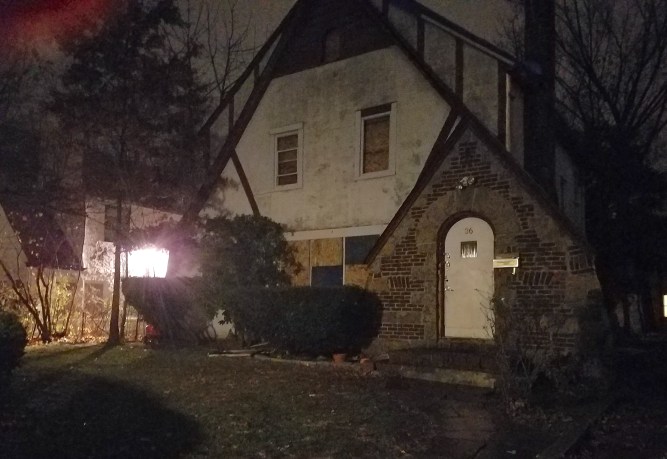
(284, 132)
(369, 114)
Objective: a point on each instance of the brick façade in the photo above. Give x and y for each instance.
(555, 273)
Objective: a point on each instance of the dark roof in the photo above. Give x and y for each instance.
(42, 239)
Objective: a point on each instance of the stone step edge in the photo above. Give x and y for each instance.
(442, 375)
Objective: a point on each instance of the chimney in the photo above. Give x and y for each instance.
(539, 92)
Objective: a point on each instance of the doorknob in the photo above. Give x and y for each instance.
(447, 289)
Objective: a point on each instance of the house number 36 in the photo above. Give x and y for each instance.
(468, 231)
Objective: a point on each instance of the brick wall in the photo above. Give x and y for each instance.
(556, 270)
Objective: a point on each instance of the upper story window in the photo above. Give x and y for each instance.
(288, 146)
(376, 141)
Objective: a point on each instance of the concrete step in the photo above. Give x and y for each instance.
(441, 375)
(459, 356)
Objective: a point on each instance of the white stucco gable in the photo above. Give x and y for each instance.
(326, 102)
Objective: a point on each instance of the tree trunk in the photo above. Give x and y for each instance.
(123, 318)
(114, 333)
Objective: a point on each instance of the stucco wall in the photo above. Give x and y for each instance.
(10, 250)
(326, 100)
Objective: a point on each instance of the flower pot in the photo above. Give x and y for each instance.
(339, 357)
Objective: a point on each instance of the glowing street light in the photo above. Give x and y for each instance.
(148, 262)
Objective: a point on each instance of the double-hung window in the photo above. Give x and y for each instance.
(376, 141)
(288, 145)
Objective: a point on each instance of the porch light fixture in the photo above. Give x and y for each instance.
(148, 262)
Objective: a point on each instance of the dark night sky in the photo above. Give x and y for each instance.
(38, 21)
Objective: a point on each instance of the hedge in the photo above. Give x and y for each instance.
(12, 343)
(171, 304)
(306, 320)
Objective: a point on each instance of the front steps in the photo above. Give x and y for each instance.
(453, 361)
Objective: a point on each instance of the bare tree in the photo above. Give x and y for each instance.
(611, 89)
(612, 83)
(40, 271)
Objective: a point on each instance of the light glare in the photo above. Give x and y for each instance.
(148, 262)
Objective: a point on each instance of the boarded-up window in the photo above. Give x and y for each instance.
(357, 248)
(287, 159)
(326, 276)
(375, 143)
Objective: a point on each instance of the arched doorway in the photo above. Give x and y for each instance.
(466, 280)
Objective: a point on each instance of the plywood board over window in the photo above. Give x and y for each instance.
(376, 144)
(302, 257)
(326, 252)
(376, 141)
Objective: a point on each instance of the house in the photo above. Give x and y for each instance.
(75, 254)
(396, 148)
(38, 264)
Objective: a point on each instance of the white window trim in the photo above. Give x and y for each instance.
(391, 170)
(279, 132)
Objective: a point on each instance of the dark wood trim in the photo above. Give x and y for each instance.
(448, 136)
(502, 104)
(422, 11)
(245, 184)
(252, 67)
(384, 108)
(287, 28)
(482, 131)
(458, 85)
(420, 36)
(230, 115)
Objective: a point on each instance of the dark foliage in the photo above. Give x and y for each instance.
(133, 102)
(12, 343)
(172, 305)
(246, 251)
(306, 320)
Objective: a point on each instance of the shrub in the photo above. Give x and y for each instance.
(245, 250)
(306, 320)
(171, 304)
(12, 342)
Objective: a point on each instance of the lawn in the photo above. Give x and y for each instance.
(130, 401)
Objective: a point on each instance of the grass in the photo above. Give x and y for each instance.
(129, 401)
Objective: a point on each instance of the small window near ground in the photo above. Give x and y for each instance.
(326, 276)
(357, 248)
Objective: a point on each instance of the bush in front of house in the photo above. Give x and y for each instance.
(170, 304)
(306, 320)
(12, 343)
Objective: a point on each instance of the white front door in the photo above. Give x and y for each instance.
(468, 279)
